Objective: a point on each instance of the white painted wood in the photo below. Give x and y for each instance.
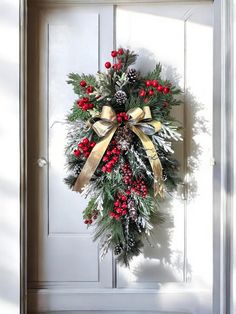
(187, 28)
(57, 256)
(115, 2)
(143, 301)
(60, 248)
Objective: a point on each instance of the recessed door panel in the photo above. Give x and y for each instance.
(60, 245)
(178, 37)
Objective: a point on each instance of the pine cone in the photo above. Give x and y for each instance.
(131, 241)
(76, 170)
(124, 137)
(117, 249)
(121, 97)
(132, 211)
(132, 75)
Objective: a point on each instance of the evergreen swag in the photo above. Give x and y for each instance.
(122, 203)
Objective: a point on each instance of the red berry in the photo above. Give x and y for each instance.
(124, 198)
(128, 192)
(108, 65)
(114, 53)
(151, 92)
(90, 106)
(86, 221)
(119, 119)
(89, 89)
(118, 210)
(104, 169)
(105, 158)
(85, 148)
(142, 93)
(112, 163)
(84, 107)
(77, 152)
(109, 169)
(114, 66)
(124, 212)
(166, 90)
(154, 83)
(160, 88)
(148, 83)
(80, 145)
(118, 66)
(86, 154)
(83, 83)
(92, 144)
(108, 153)
(120, 51)
(117, 203)
(85, 99)
(85, 141)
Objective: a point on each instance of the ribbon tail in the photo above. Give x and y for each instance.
(153, 159)
(93, 161)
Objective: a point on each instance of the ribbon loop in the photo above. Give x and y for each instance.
(105, 126)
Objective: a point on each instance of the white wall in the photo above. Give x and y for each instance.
(9, 156)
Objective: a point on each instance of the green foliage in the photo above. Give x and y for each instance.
(155, 74)
(75, 79)
(78, 114)
(70, 181)
(128, 58)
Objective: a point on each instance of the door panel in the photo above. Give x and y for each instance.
(174, 273)
(65, 45)
(178, 37)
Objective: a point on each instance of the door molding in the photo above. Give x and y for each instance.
(223, 148)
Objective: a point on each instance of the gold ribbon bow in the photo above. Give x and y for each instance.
(140, 122)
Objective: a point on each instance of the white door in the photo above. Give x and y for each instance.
(64, 269)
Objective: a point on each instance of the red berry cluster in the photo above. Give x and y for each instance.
(127, 176)
(120, 206)
(84, 104)
(89, 89)
(122, 116)
(115, 54)
(151, 86)
(111, 157)
(84, 148)
(138, 186)
(91, 217)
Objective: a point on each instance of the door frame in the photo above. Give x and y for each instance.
(223, 127)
